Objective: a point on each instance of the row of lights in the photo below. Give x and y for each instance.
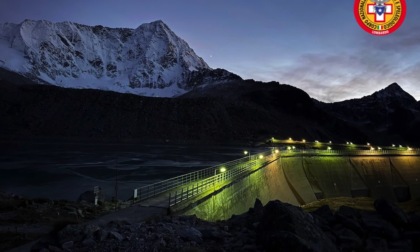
(348, 143)
(261, 156)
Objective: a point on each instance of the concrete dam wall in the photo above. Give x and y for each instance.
(301, 180)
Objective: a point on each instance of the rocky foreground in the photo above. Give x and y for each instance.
(276, 226)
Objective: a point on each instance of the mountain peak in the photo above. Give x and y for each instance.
(155, 25)
(394, 91)
(150, 60)
(393, 87)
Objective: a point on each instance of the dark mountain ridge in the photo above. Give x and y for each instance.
(238, 110)
(258, 112)
(390, 114)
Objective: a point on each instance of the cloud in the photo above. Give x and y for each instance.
(335, 76)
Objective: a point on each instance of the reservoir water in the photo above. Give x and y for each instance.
(64, 171)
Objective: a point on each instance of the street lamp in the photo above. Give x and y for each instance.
(260, 156)
(222, 170)
(248, 153)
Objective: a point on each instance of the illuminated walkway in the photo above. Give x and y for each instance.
(297, 176)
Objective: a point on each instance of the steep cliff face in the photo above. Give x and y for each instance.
(150, 60)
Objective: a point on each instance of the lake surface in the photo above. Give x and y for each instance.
(64, 171)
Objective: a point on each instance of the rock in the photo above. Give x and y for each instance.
(213, 234)
(89, 242)
(284, 221)
(325, 213)
(403, 245)
(190, 234)
(190, 219)
(87, 196)
(414, 221)
(90, 229)
(349, 240)
(80, 213)
(116, 235)
(249, 248)
(54, 249)
(351, 224)
(391, 212)
(258, 206)
(414, 236)
(100, 235)
(376, 244)
(379, 227)
(67, 245)
(286, 241)
(70, 233)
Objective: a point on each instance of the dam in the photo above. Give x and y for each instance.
(297, 177)
(305, 179)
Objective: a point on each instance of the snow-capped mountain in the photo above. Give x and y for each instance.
(150, 60)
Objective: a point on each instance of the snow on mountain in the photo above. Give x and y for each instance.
(150, 60)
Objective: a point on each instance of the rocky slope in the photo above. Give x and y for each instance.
(258, 111)
(388, 115)
(150, 60)
(276, 226)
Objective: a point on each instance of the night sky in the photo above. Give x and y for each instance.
(314, 45)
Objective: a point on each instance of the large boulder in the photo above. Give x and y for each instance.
(284, 227)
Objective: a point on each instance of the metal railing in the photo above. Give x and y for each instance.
(152, 190)
(300, 152)
(185, 186)
(232, 173)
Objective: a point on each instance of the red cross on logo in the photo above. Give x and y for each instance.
(380, 18)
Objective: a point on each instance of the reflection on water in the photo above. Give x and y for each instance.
(64, 171)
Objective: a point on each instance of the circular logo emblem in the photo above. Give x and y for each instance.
(380, 17)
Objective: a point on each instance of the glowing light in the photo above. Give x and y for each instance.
(290, 139)
(289, 148)
(330, 142)
(393, 145)
(303, 141)
(316, 141)
(261, 156)
(222, 169)
(371, 148)
(368, 144)
(246, 152)
(276, 151)
(409, 149)
(400, 146)
(379, 148)
(347, 143)
(293, 147)
(351, 142)
(329, 148)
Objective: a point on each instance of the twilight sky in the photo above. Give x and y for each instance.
(314, 45)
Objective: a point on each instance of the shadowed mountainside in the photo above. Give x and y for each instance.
(246, 111)
(390, 114)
